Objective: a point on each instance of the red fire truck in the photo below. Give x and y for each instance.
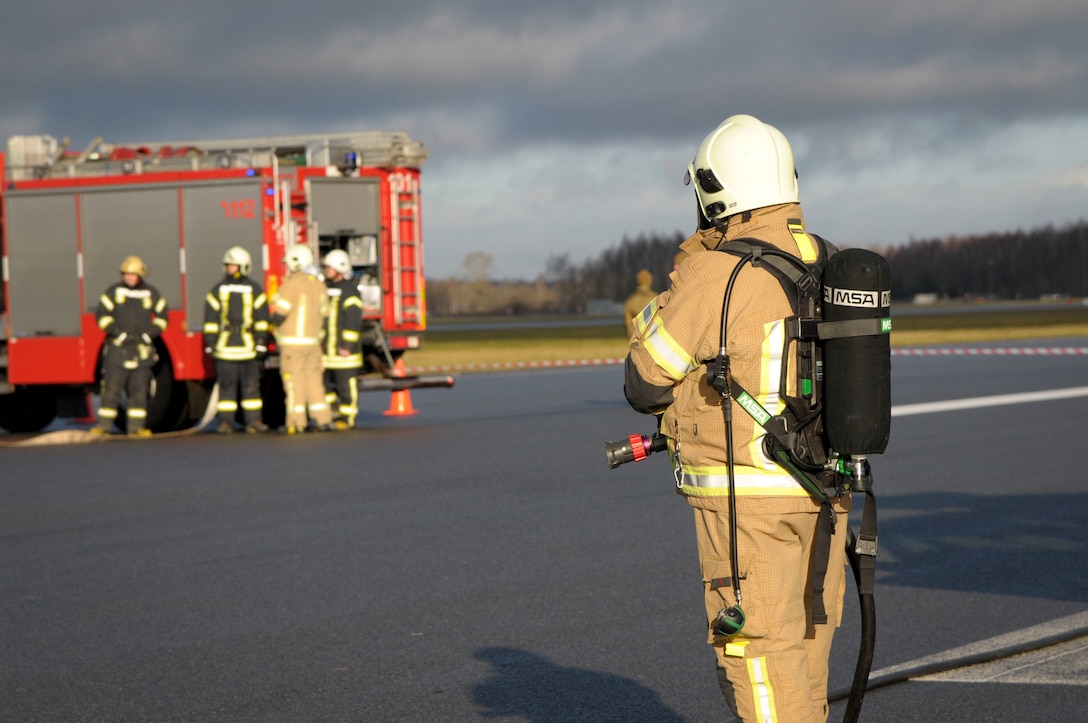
(68, 218)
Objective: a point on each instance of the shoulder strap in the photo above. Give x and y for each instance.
(796, 278)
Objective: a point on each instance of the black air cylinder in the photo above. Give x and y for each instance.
(857, 369)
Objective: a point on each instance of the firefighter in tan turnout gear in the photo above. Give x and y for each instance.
(636, 302)
(298, 312)
(343, 349)
(775, 667)
(133, 315)
(236, 336)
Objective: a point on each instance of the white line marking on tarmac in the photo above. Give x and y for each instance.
(951, 405)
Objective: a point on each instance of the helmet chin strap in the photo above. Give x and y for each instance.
(704, 222)
(722, 225)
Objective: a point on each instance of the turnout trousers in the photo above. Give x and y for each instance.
(775, 669)
(131, 378)
(303, 385)
(342, 389)
(239, 385)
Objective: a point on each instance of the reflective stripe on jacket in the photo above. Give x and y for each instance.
(127, 313)
(343, 326)
(299, 309)
(235, 319)
(679, 333)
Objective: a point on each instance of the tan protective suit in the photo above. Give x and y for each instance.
(776, 667)
(637, 301)
(300, 307)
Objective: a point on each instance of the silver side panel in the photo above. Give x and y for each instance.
(345, 207)
(218, 216)
(125, 221)
(43, 265)
(43, 246)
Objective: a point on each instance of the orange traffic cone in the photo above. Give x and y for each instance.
(401, 403)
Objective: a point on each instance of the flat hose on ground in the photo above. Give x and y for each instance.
(86, 436)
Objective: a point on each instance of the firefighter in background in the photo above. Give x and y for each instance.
(236, 336)
(776, 666)
(636, 302)
(133, 315)
(343, 347)
(298, 312)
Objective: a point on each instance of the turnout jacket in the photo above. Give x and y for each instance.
(235, 319)
(343, 326)
(132, 317)
(679, 332)
(299, 309)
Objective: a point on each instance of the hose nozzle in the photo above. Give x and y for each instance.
(635, 448)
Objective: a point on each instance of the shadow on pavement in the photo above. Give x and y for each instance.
(531, 687)
(1033, 545)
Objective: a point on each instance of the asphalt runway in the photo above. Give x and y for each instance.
(478, 560)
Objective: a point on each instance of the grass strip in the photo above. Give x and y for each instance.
(482, 347)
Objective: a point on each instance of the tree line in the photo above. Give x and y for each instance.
(1012, 265)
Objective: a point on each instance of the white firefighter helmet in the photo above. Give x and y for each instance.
(338, 261)
(298, 258)
(742, 165)
(135, 265)
(239, 257)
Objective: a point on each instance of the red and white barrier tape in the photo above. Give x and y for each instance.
(921, 351)
(994, 351)
(500, 366)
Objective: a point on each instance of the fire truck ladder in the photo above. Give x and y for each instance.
(407, 259)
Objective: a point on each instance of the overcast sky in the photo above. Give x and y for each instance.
(560, 127)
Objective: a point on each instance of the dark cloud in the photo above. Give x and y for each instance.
(858, 85)
(573, 71)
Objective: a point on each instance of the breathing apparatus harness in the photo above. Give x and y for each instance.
(841, 412)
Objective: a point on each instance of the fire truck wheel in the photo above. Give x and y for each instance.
(29, 409)
(199, 394)
(168, 410)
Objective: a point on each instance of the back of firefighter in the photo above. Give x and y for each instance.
(776, 667)
(133, 314)
(298, 312)
(343, 350)
(236, 336)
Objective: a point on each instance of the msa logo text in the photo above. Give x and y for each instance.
(858, 298)
(754, 408)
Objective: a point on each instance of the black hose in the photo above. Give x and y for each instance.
(868, 637)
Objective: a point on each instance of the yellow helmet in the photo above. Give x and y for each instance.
(135, 265)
